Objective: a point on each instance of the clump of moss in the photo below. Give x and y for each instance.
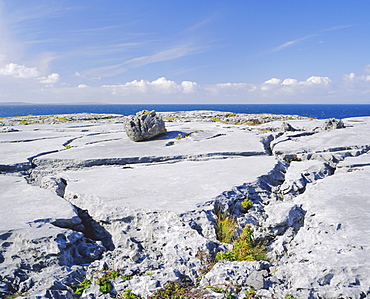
(246, 204)
(246, 248)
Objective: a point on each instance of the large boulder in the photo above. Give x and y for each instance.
(332, 124)
(144, 125)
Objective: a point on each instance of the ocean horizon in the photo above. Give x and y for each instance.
(320, 111)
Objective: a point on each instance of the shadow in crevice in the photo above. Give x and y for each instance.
(95, 231)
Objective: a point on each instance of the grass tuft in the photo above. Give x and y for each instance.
(246, 248)
(226, 226)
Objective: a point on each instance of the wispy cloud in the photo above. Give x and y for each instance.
(293, 42)
(298, 40)
(169, 54)
(160, 56)
(334, 28)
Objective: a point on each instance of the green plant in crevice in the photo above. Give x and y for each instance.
(104, 282)
(226, 226)
(229, 290)
(252, 294)
(246, 248)
(246, 204)
(82, 286)
(128, 294)
(173, 290)
(126, 277)
(178, 290)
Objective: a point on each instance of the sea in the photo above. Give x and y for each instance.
(309, 110)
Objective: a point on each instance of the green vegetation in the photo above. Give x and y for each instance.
(288, 296)
(82, 286)
(216, 119)
(246, 248)
(246, 204)
(104, 282)
(17, 295)
(25, 121)
(128, 294)
(292, 158)
(226, 226)
(126, 278)
(172, 290)
(61, 120)
(229, 294)
(230, 115)
(178, 290)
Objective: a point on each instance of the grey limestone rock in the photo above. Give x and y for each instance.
(287, 127)
(249, 273)
(332, 123)
(144, 125)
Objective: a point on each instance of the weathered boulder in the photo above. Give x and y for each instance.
(144, 125)
(333, 123)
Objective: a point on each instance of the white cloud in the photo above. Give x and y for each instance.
(158, 86)
(51, 79)
(292, 42)
(353, 78)
(289, 81)
(189, 87)
(273, 81)
(317, 80)
(315, 89)
(21, 71)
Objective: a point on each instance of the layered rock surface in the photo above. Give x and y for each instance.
(82, 201)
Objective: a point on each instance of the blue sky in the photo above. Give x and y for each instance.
(169, 51)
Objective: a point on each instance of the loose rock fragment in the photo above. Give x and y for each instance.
(333, 123)
(144, 125)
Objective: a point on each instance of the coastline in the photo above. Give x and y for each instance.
(322, 111)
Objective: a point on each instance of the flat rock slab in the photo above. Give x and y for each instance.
(181, 141)
(332, 250)
(27, 206)
(28, 141)
(177, 187)
(356, 137)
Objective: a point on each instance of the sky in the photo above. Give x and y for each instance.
(185, 52)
